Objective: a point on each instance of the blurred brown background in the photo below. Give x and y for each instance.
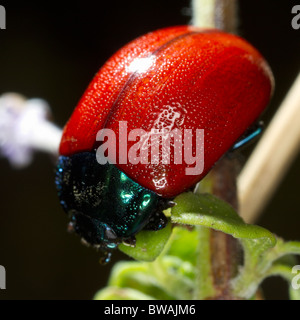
(51, 50)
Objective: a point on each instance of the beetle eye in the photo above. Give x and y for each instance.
(110, 234)
(106, 207)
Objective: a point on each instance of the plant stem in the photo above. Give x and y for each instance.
(205, 280)
(221, 252)
(218, 255)
(226, 249)
(219, 14)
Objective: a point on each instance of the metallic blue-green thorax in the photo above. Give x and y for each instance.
(105, 206)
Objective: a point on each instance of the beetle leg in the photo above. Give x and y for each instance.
(71, 228)
(105, 257)
(250, 136)
(130, 242)
(156, 222)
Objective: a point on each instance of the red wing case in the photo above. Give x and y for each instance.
(181, 79)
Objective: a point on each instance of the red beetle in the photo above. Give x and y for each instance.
(197, 89)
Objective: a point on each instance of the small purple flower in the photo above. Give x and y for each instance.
(24, 127)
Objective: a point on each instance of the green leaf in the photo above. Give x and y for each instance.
(206, 210)
(209, 211)
(285, 271)
(168, 278)
(294, 294)
(139, 276)
(183, 267)
(261, 263)
(284, 248)
(114, 293)
(183, 244)
(175, 276)
(149, 244)
(284, 260)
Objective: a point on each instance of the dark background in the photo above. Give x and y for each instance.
(52, 50)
